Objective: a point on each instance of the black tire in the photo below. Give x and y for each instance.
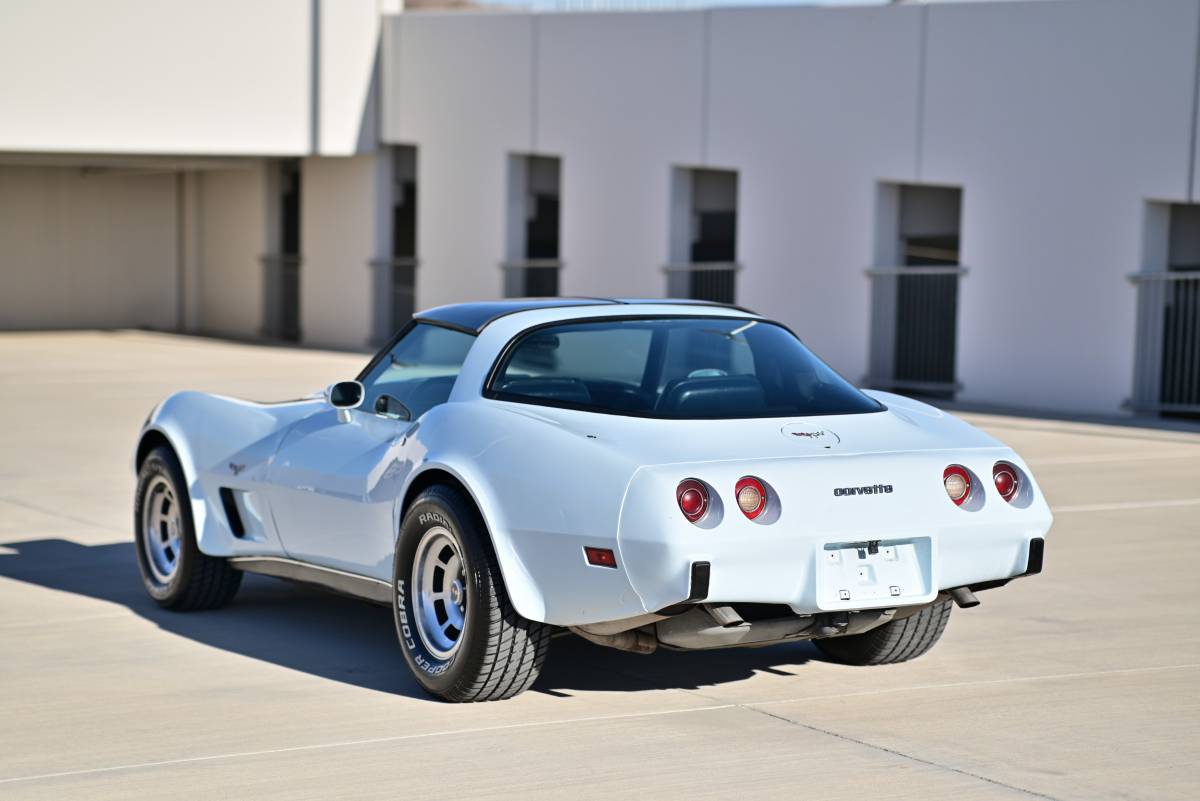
(197, 581)
(498, 653)
(898, 641)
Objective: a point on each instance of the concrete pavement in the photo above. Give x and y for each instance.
(1077, 684)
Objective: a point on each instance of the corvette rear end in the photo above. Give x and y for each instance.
(817, 536)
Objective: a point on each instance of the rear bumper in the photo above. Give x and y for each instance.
(657, 573)
(818, 552)
(700, 584)
(663, 560)
(795, 573)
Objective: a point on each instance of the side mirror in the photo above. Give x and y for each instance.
(344, 396)
(387, 406)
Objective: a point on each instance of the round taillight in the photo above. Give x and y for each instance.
(958, 483)
(751, 496)
(1008, 480)
(692, 496)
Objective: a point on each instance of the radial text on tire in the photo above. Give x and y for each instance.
(458, 631)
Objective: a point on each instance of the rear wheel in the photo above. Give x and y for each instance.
(458, 630)
(898, 641)
(176, 574)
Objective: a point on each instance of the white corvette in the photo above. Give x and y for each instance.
(642, 473)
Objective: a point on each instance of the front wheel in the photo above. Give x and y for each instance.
(898, 641)
(174, 570)
(458, 630)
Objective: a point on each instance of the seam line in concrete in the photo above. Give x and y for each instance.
(1072, 428)
(978, 683)
(1122, 505)
(351, 743)
(1053, 461)
(590, 719)
(53, 513)
(902, 755)
(61, 621)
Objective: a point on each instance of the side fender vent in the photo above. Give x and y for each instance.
(231, 512)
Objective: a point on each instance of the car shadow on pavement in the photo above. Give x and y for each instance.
(354, 642)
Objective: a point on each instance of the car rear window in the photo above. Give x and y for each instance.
(674, 368)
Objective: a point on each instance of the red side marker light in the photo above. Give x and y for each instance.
(600, 557)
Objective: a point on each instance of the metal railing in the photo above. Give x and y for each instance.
(395, 296)
(531, 278)
(281, 296)
(714, 281)
(914, 323)
(1167, 366)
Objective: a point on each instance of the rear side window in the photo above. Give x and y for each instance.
(674, 368)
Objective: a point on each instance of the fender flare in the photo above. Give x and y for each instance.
(523, 591)
(162, 430)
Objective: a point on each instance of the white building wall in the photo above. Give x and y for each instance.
(233, 236)
(340, 234)
(218, 77)
(347, 95)
(619, 98)
(87, 248)
(813, 108)
(1059, 120)
(172, 76)
(459, 87)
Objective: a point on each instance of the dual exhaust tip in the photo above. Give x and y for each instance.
(964, 597)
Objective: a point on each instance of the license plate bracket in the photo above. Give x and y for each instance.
(875, 573)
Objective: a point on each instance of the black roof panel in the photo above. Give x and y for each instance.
(473, 317)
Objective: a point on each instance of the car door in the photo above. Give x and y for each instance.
(335, 480)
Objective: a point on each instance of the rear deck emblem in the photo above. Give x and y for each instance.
(806, 432)
(874, 489)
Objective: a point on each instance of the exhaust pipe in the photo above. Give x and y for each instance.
(635, 640)
(964, 597)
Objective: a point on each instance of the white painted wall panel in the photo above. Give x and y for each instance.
(233, 235)
(459, 88)
(1058, 120)
(347, 93)
(339, 240)
(813, 107)
(85, 249)
(619, 98)
(172, 76)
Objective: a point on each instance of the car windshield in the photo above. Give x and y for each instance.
(674, 368)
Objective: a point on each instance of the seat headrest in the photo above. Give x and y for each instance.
(716, 395)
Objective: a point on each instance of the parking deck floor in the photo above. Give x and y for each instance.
(1081, 683)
